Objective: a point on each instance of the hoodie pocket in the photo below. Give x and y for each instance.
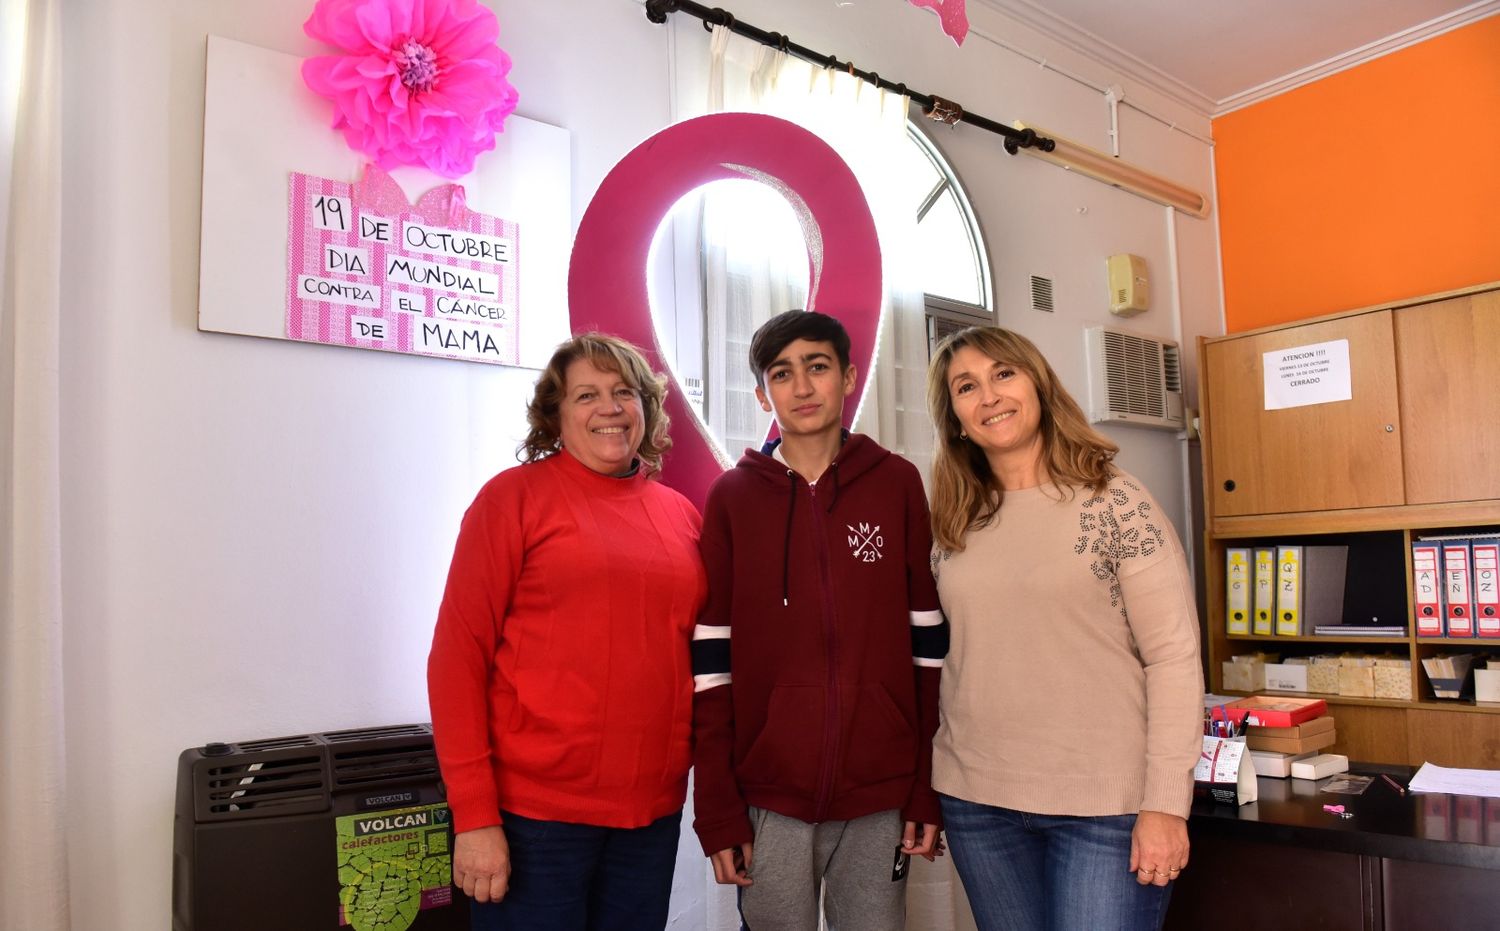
(880, 744)
(784, 755)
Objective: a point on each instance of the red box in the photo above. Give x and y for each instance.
(1266, 711)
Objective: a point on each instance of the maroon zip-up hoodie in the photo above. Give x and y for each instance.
(816, 659)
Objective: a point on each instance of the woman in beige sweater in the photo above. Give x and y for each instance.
(1072, 693)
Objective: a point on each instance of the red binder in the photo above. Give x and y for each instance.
(1457, 589)
(1486, 560)
(1427, 588)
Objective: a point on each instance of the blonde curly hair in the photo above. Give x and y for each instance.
(607, 354)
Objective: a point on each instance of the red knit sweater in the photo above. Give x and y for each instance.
(559, 677)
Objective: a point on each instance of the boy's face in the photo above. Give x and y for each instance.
(805, 389)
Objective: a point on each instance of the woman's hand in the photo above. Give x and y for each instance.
(481, 863)
(1158, 848)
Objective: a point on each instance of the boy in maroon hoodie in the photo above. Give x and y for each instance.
(817, 656)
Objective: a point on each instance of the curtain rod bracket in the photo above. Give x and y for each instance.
(1028, 139)
(657, 11)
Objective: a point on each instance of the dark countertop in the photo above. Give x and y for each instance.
(1457, 830)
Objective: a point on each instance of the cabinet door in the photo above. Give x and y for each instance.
(1343, 454)
(1447, 355)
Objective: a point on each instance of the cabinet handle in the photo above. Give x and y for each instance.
(1229, 485)
(1390, 428)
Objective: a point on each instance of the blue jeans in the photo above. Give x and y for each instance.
(1026, 872)
(578, 877)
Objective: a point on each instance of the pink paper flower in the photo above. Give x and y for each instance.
(421, 82)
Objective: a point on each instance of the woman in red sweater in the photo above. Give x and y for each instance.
(560, 679)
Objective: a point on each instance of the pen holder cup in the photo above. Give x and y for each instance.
(1225, 772)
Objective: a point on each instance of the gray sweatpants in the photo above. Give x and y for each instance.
(848, 862)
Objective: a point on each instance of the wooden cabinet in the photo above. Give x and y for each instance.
(1261, 457)
(1448, 363)
(1415, 451)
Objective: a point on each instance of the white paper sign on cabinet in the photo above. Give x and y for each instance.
(1303, 375)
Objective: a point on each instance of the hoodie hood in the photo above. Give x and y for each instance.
(857, 456)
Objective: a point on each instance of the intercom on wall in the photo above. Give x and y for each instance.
(1129, 286)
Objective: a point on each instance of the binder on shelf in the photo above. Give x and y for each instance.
(1237, 589)
(1288, 591)
(1263, 599)
(1324, 569)
(1427, 588)
(1458, 592)
(1485, 556)
(1309, 588)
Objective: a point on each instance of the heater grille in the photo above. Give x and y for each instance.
(261, 784)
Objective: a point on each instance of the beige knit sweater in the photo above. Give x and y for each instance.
(1072, 684)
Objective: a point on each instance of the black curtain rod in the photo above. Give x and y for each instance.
(933, 106)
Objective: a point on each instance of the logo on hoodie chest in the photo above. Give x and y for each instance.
(865, 542)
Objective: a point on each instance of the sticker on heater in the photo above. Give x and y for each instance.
(393, 864)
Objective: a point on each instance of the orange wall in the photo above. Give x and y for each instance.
(1371, 185)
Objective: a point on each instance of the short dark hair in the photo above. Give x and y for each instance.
(783, 329)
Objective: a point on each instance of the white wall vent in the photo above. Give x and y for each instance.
(1133, 379)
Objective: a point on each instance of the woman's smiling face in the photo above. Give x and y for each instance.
(602, 419)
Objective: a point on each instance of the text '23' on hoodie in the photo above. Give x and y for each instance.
(817, 657)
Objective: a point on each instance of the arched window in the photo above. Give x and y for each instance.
(737, 256)
(954, 267)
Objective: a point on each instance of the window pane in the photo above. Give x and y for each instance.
(949, 268)
(918, 174)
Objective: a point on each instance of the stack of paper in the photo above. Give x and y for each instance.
(1429, 778)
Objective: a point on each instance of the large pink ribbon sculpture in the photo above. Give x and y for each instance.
(607, 275)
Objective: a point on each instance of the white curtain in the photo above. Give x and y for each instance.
(33, 856)
(755, 266)
(755, 262)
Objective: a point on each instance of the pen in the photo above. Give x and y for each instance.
(1394, 784)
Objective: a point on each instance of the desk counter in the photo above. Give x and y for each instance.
(1400, 861)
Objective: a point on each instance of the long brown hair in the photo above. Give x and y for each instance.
(966, 493)
(607, 354)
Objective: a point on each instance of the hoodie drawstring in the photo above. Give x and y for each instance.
(786, 545)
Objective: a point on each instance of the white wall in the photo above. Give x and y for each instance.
(256, 532)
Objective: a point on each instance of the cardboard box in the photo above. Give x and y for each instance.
(1323, 675)
(1275, 710)
(1393, 679)
(1311, 728)
(1244, 677)
(1293, 745)
(1486, 686)
(1357, 681)
(1321, 766)
(1285, 677)
(1276, 765)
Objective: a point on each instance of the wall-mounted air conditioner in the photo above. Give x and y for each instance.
(1133, 379)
